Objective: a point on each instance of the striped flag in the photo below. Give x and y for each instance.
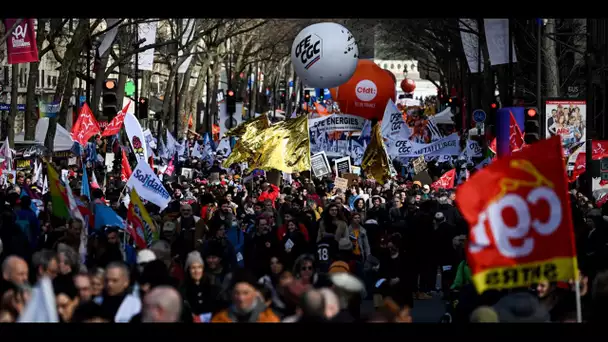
(435, 132)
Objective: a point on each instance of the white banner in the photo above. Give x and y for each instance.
(136, 138)
(336, 122)
(148, 186)
(497, 36)
(448, 146)
(108, 37)
(146, 31)
(470, 44)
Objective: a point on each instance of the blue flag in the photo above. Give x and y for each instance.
(106, 216)
(84, 188)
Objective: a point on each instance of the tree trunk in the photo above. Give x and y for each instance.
(31, 116)
(197, 92)
(120, 85)
(145, 83)
(580, 41)
(184, 98)
(550, 60)
(10, 130)
(100, 78)
(65, 81)
(167, 96)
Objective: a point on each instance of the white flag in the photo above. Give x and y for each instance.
(136, 137)
(42, 307)
(196, 150)
(148, 186)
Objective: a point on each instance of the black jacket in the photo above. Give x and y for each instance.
(201, 298)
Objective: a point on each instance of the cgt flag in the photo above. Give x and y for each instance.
(521, 225)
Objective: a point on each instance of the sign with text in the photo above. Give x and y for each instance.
(21, 44)
(341, 183)
(319, 165)
(342, 165)
(419, 164)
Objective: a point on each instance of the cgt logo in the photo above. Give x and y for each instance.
(511, 217)
(366, 90)
(19, 32)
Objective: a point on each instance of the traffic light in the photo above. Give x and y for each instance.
(306, 95)
(142, 109)
(532, 126)
(110, 101)
(230, 101)
(321, 95)
(454, 103)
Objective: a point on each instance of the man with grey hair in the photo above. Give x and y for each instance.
(117, 304)
(69, 260)
(46, 263)
(162, 305)
(313, 307)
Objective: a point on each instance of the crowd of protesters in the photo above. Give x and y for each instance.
(241, 249)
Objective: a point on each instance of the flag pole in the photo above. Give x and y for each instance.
(579, 311)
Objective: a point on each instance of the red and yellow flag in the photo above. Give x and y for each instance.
(520, 221)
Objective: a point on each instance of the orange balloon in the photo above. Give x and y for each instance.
(367, 91)
(332, 92)
(408, 85)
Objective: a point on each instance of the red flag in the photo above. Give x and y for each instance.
(116, 124)
(151, 162)
(135, 228)
(579, 166)
(516, 138)
(446, 181)
(125, 171)
(521, 225)
(21, 44)
(85, 127)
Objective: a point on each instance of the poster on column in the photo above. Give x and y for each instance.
(566, 118)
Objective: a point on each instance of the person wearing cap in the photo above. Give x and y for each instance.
(247, 303)
(521, 307)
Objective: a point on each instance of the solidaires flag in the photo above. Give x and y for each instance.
(520, 222)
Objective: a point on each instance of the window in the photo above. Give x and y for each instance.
(48, 81)
(413, 66)
(38, 80)
(43, 79)
(392, 66)
(385, 66)
(21, 70)
(398, 66)
(54, 81)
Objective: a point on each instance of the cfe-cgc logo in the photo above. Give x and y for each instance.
(366, 90)
(309, 50)
(18, 39)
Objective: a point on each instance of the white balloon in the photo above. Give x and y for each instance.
(324, 55)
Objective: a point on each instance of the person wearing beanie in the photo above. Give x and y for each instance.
(201, 296)
(247, 303)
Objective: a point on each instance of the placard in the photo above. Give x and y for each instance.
(23, 164)
(342, 165)
(356, 170)
(341, 183)
(187, 172)
(214, 177)
(419, 164)
(352, 178)
(109, 161)
(320, 165)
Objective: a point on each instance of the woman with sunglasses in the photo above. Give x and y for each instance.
(304, 270)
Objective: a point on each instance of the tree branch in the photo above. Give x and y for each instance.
(10, 31)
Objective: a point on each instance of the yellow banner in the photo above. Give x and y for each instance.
(525, 274)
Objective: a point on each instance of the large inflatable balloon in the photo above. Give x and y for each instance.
(367, 92)
(324, 55)
(408, 85)
(392, 76)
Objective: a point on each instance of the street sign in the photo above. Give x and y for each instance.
(7, 106)
(479, 115)
(82, 99)
(290, 84)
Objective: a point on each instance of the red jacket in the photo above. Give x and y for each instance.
(283, 230)
(272, 196)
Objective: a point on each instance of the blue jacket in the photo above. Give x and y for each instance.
(29, 224)
(237, 239)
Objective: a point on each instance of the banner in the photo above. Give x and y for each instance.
(136, 138)
(566, 118)
(336, 123)
(148, 186)
(21, 44)
(520, 220)
(146, 31)
(497, 38)
(448, 146)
